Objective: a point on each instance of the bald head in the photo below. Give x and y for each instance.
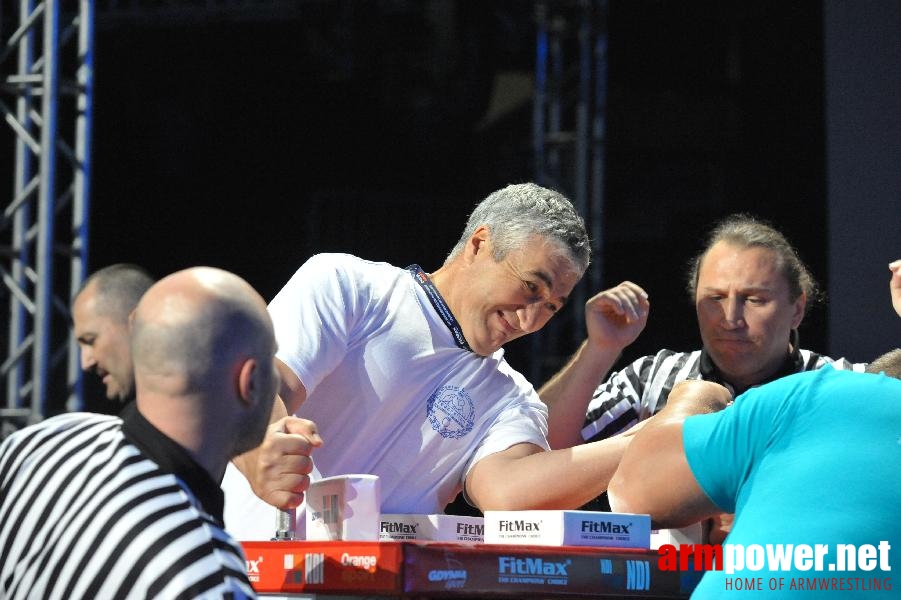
(203, 350)
(193, 324)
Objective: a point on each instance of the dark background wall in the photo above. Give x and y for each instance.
(374, 127)
(863, 126)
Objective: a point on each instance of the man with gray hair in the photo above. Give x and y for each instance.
(402, 372)
(100, 311)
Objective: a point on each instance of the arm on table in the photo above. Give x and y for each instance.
(278, 469)
(614, 319)
(654, 476)
(525, 477)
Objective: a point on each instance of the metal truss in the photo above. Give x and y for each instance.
(45, 99)
(568, 127)
(46, 68)
(46, 82)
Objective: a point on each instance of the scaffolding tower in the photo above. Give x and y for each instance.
(568, 126)
(46, 62)
(46, 83)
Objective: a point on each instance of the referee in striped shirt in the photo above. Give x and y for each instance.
(96, 506)
(751, 291)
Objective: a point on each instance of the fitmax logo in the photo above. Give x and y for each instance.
(389, 527)
(470, 529)
(605, 527)
(253, 566)
(511, 565)
(519, 525)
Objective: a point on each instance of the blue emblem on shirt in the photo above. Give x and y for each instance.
(451, 411)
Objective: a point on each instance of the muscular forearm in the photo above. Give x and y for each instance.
(560, 479)
(568, 393)
(654, 476)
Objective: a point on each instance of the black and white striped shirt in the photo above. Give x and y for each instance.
(642, 387)
(95, 506)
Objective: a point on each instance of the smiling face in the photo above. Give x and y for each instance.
(103, 339)
(745, 312)
(500, 301)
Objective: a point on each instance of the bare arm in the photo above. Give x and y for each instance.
(525, 477)
(278, 470)
(654, 476)
(614, 319)
(568, 393)
(895, 285)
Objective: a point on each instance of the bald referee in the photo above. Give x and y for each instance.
(96, 506)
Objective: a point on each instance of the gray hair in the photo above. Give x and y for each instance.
(746, 231)
(119, 288)
(520, 211)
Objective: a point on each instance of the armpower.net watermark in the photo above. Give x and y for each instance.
(839, 567)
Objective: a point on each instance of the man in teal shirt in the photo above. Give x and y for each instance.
(810, 465)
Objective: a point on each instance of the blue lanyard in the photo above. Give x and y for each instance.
(440, 305)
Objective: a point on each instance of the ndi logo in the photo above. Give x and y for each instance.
(638, 575)
(451, 411)
(314, 567)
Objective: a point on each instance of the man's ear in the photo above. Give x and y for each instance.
(800, 305)
(247, 382)
(479, 241)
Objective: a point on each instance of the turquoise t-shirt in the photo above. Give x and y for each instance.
(811, 459)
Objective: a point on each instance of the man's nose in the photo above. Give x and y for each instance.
(87, 359)
(531, 318)
(733, 312)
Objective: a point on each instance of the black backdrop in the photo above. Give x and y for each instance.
(250, 145)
